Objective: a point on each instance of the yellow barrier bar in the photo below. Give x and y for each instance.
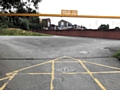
(59, 15)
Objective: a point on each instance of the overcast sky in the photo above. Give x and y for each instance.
(84, 7)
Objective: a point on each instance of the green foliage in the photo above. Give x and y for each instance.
(21, 6)
(3, 22)
(27, 23)
(103, 27)
(117, 55)
(42, 24)
(2, 25)
(34, 23)
(20, 32)
(24, 24)
(117, 28)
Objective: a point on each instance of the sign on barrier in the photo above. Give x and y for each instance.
(69, 12)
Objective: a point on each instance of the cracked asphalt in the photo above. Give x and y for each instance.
(58, 63)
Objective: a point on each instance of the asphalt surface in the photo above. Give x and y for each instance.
(58, 63)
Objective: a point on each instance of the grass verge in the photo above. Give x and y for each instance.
(117, 55)
(19, 32)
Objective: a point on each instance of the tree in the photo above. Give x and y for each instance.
(24, 24)
(117, 28)
(3, 22)
(83, 27)
(103, 27)
(42, 25)
(19, 6)
(34, 23)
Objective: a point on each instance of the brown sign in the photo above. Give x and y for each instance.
(69, 12)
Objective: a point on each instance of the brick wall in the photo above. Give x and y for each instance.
(85, 33)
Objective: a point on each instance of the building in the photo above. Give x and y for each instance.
(53, 27)
(78, 27)
(46, 23)
(62, 24)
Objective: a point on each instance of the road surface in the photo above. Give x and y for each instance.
(58, 63)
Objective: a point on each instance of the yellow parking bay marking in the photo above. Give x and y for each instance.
(40, 73)
(52, 76)
(36, 65)
(95, 63)
(102, 65)
(4, 78)
(102, 72)
(11, 75)
(66, 62)
(106, 72)
(10, 78)
(29, 67)
(95, 79)
(37, 73)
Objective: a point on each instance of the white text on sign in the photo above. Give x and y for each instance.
(69, 12)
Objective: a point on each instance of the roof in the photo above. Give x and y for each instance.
(65, 21)
(41, 19)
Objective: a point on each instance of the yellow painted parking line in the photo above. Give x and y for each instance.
(102, 72)
(10, 78)
(29, 67)
(95, 79)
(37, 73)
(86, 68)
(102, 65)
(12, 74)
(107, 66)
(52, 76)
(45, 73)
(4, 78)
(66, 62)
(106, 72)
(98, 82)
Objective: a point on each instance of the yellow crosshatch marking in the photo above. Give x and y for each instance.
(11, 75)
(10, 78)
(4, 78)
(96, 80)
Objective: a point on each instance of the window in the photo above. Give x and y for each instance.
(48, 24)
(62, 23)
